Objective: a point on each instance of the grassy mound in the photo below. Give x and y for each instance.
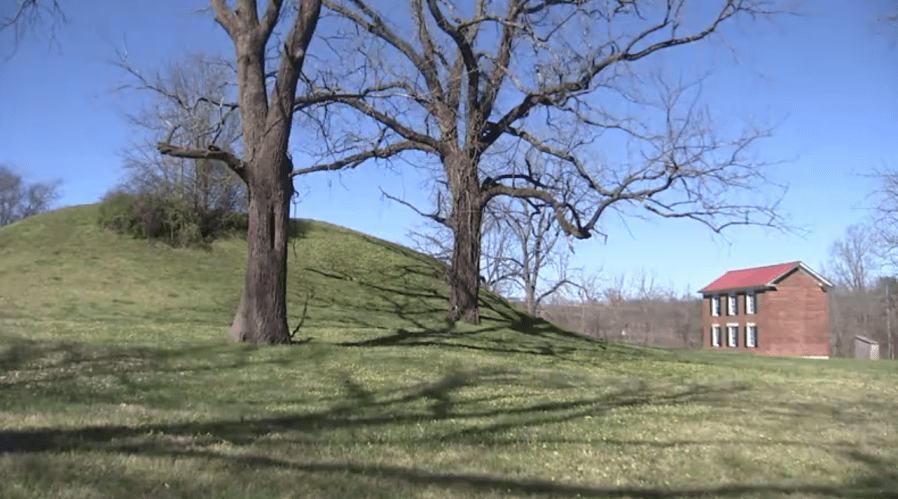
(117, 380)
(61, 267)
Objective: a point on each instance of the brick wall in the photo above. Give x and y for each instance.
(791, 320)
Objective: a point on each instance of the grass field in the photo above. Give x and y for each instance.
(117, 380)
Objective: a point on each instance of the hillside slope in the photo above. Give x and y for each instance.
(117, 380)
(61, 268)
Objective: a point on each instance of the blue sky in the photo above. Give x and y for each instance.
(827, 79)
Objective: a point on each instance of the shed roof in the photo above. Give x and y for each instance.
(866, 340)
(760, 277)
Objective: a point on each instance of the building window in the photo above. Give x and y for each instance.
(732, 335)
(731, 305)
(715, 306)
(751, 305)
(715, 336)
(751, 336)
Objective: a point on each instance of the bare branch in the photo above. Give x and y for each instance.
(355, 160)
(435, 216)
(462, 43)
(575, 228)
(270, 18)
(392, 122)
(226, 17)
(885, 224)
(853, 261)
(235, 163)
(369, 20)
(33, 16)
(492, 97)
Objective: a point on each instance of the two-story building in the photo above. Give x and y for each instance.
(776, 310)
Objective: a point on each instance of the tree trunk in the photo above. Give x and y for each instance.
(467, 218)
(530, 300)
(262, 315)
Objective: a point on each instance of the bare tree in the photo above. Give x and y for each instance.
(853, 260)
(267, 99)
(535, 235)
(886, 291)
(265, 166)
(520, 254)
(436, 240)
(19, 200)
(190, 102)
(463, 83)
(630, 307)
(885, 222)
(866, 313)
(858, 303)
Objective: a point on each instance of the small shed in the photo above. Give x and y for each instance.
(865, 348)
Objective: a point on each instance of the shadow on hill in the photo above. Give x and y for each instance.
(64, 371)
(477, 339)
(359, 409)
(879, 487)
(416, 308)
(363, 409)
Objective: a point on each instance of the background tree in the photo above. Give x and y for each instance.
(885, 219)
(858, 303)
(19, 200)
(265, 166)
(562, 78)
(520, 254)
(886, 291)
(535, 235)
(435, 239)
(192, 101)
(853, 260)
(630, 307)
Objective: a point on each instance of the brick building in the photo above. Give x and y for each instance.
(776, 310)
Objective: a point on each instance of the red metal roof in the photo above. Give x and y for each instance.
(758, 277)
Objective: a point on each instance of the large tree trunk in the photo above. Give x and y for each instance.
(467, 218)
(266, 167)
(262, 315)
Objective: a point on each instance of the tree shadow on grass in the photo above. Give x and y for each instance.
(20, 354)
(73, 372)
(417, 309)
(872, 486)
(457, 340)
(509, 331)
(418, 319)
(473, 420)
(361, 408)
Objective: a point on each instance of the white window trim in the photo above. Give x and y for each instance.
(715, 310)
(754, 303)
(754, 344)
(733, 344)
(716, 328)
(732, 304)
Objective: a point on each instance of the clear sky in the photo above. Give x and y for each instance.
(827, 79)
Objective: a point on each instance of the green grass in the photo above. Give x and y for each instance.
(116, 380)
